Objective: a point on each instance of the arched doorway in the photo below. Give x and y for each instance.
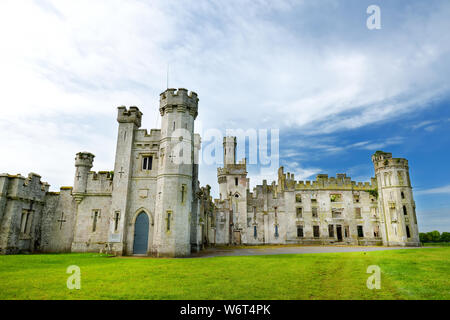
(141, 226)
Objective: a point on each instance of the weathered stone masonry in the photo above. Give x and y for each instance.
(152, 202)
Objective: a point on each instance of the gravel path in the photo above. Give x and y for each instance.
(219, 252)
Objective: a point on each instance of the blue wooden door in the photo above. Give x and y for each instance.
(141, 234)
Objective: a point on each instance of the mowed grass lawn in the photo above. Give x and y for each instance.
(406, 274)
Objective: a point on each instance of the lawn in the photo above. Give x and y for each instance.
(405, 274)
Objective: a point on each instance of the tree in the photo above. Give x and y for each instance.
(435, 236)
(445, 237)
(424, 237)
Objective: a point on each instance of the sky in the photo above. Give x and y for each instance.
(335, 90)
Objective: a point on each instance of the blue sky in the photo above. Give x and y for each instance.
(336, 90)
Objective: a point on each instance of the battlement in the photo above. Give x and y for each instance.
(179, 100)
(101, 175)
(84, 159)
(230, 139)
(383, 160)
(18, 186)
(144, 136)
(340, 182)
(131, 115)
(99, 182)
(240, 168)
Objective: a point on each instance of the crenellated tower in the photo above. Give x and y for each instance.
(233, 187)
(174, 194)
(395, 200)
(83, 164)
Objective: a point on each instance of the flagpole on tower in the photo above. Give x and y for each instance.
(167, 75)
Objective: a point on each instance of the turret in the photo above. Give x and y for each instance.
(83, 164)
(229, 150)
(395, 199)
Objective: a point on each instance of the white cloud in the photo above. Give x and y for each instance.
(439, 190)
(254, 64)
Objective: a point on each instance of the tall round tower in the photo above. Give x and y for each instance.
(83, 164)
(395, 200)
(175, 173)
(229, 150)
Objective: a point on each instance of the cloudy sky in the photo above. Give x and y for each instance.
(334, 89)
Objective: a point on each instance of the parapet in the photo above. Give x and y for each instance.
(229, 140)
(232, 169)
(99, 182)
(132, 115)
(24, 188)
(383, 160)
(84, 159)
(180, 100)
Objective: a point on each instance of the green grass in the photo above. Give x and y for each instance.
(406, 274)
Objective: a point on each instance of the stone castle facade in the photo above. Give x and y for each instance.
(330, 210)
(152, 203)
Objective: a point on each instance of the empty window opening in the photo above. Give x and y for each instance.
(169, 217)
(94, 223)
(360, 232)
(276, 231)
(147, 163)
(376, 231)
(299, 212)
(183, 193)
(300, 231)
(331, 231)
(405, 212)
(316, 231)
(236, 181)
(116, 220)
(408, 234)
(336, 198)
